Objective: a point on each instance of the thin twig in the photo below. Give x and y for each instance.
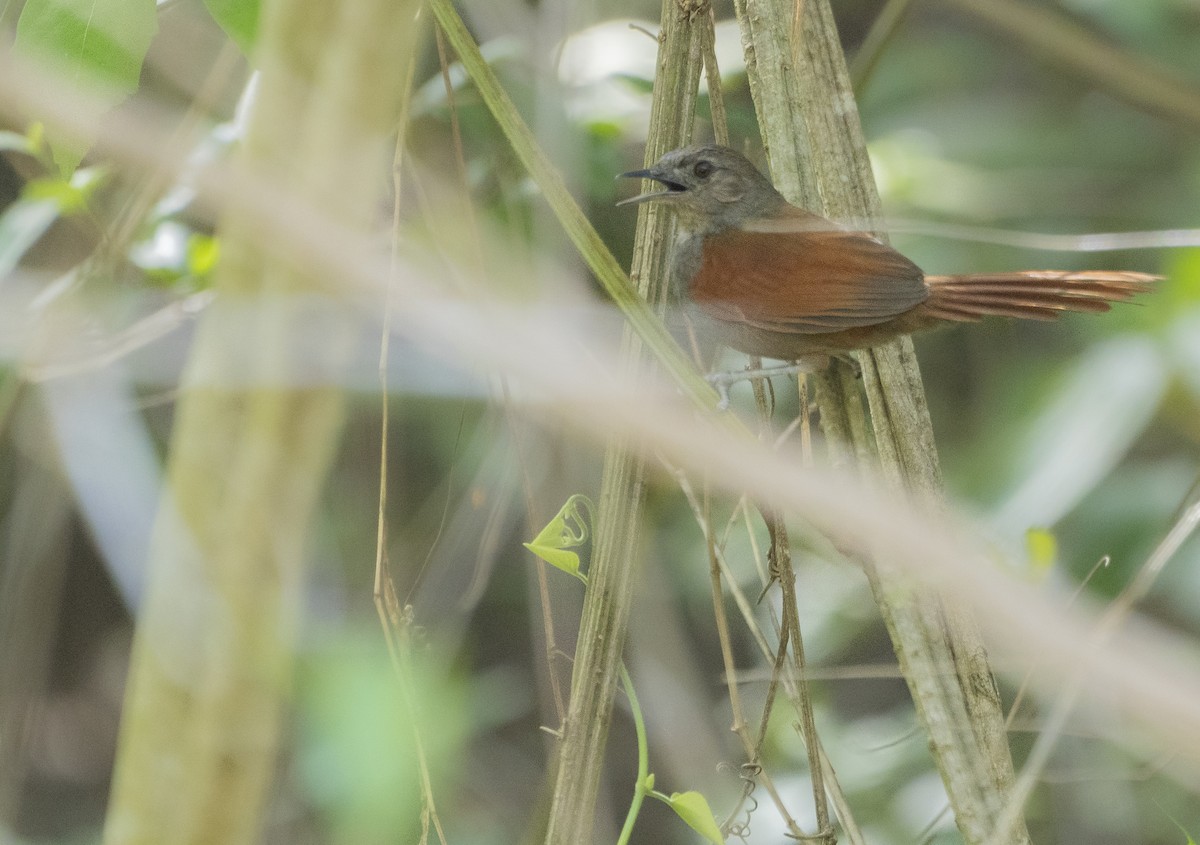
(1054, 38)
(750, 747)
(886, 24)
(1120, 609)
(543, 580)
(531, 516)
(712, 76)
(382, 578)
(787, 675)
(1027, 678)
(791, 631)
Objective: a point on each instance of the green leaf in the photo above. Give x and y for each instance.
(202, 254)
(639, 84)
(72, 194)
(96, 45)
(357, 756)
(239, 19)
(42, 202)
(38, 147)
(1080, 434)
(570, 529)
(693, 808)
(568, 562)
(1041, 547)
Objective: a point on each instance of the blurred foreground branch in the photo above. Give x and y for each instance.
(581, 232)
(212, 655)
(1145, 676)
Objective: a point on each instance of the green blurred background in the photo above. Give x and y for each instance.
(1086, 428)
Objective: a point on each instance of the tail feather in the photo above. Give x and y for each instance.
(1033, 294)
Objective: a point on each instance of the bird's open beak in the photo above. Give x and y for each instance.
(672, 188)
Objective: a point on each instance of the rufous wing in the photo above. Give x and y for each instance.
(803, 274)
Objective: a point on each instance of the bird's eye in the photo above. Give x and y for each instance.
(703, 169)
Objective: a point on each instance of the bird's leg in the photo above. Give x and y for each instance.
(722, 381)
(850, 361)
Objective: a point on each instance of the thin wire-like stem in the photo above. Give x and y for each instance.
(886, 24)
(382, 580)
(643, 759)
(780, 567)
(393, 620)
(751, 747)
(543, 580)
(727, 581)
(712, 76)
(397, 623)
(1027, 678)
(1051, 36)
(532, 517)
(791, 628)
(1116, 614)
(779, 549)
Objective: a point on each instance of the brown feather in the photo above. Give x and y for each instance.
(800, 275)
(774, 280)
(1033, 294)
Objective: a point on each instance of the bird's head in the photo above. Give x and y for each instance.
(711, 188)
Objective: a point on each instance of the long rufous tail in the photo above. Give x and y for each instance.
(1032, 294)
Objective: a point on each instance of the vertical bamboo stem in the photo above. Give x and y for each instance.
(810, 125)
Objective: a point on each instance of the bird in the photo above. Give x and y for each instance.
(765, 277)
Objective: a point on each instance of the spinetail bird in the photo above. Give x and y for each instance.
(774, 280)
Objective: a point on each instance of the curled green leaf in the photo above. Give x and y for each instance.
(570, 529)
(693, 808)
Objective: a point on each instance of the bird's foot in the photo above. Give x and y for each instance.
(722, 381)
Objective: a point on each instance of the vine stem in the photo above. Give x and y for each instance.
(643, 751)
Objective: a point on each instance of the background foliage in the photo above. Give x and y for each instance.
(1086, 428)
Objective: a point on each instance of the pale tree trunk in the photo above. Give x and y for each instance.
(257, 423)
